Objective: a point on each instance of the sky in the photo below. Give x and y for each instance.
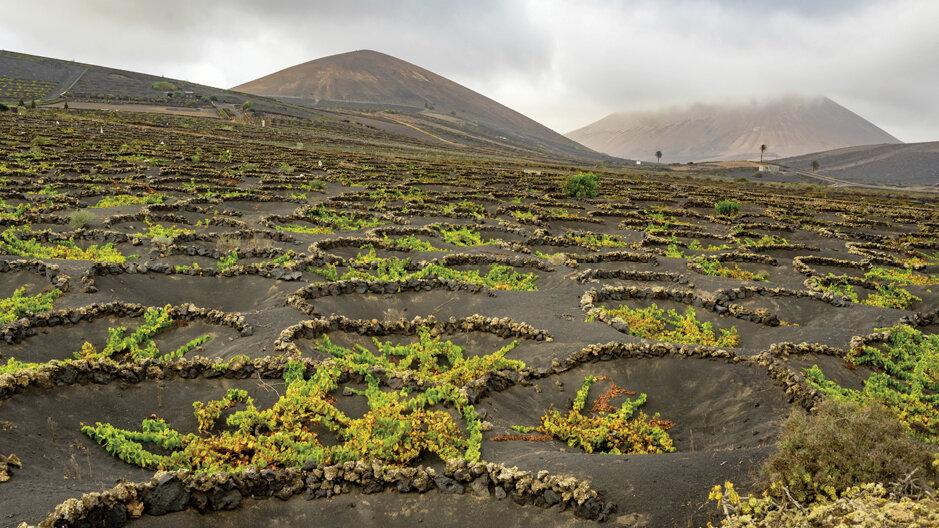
(564, 63)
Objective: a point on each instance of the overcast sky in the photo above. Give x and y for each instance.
(564, 63)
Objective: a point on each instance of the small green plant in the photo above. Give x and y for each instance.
(525, 216)
(766, 240)
(582, 185)
(462, 236)
(609, 430)
(653, 322)
(306, 230)
(900, 277)
(716, 268)
(498, 277)
(598, 241)
(18, 241)
(228, 261)
(329, 272)
(886, 296)
(128, 199)
(411, 242)
(80, 219)
(184, 268)
(314, 185)
(139, 344)
(19, 305)
(161, 232)
(342, 221)
(728, 208)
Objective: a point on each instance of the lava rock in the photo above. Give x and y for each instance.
(168, 495)
(448, 485)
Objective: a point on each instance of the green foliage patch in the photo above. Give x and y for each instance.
(607, 429)
(397, 427)
(17, 241)
(19, 305)
(653, 322)
(582, 185)
(905, 381)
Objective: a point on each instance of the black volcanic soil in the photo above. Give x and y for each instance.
(727, 412)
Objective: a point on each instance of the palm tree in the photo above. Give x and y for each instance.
(762, 150)
(658, 155)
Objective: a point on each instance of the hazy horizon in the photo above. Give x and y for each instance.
(564, 64)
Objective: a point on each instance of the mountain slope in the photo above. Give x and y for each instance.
(788, 126)
(45, 79)
(372, 80)
(906, 164)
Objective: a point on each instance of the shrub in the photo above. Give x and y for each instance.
(582, 185)
(3, 107)
(164, 86)
(845, 444)
(80, 219)
(247, 105)
(604, 428)
(727, 208)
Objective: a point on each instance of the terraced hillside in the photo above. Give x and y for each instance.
(216, 324)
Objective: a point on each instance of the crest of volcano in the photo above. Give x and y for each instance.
(371, 80)
(788, 126)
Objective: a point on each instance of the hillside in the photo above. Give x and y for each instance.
(788, 126)
(375, 81)
(905, 164)
(47, 80)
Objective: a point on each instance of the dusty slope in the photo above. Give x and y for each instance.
(788, 126)
(370, 79)
(906, 164)
(43, 79)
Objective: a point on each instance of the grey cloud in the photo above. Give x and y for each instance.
(565, 63)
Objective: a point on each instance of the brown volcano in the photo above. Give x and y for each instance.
(371, 80)
(788, 126)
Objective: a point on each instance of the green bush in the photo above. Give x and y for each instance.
(164, 86)
(80, 219)
(3, 107)
(247, 105)
(582, 185)
(845, 444)
(727, 208)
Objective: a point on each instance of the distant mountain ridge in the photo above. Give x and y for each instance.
(369, 79)
(788, 126)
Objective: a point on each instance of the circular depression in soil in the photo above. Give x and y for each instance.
(60, 342)
(240, 293)
(60, 461)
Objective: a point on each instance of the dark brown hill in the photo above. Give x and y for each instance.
(788, 126)
(371, 80)
(909, 164)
